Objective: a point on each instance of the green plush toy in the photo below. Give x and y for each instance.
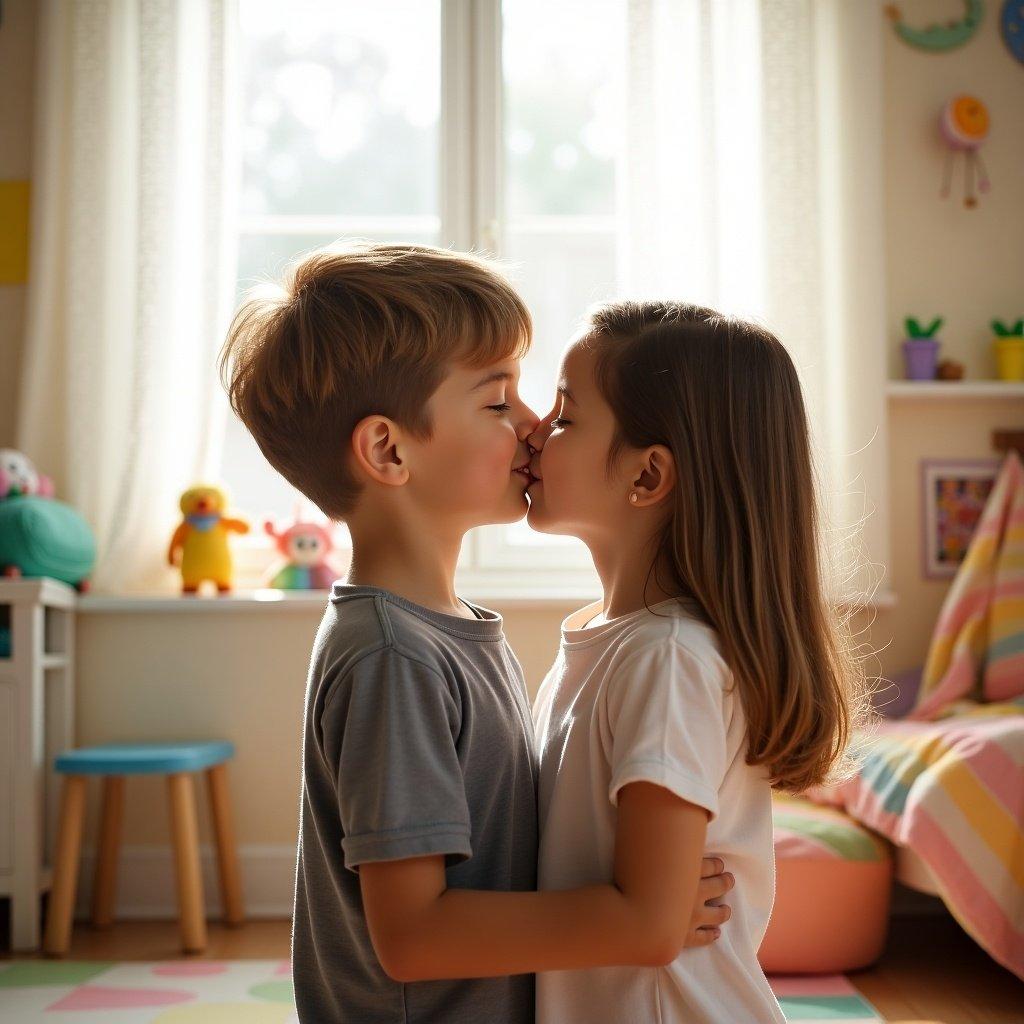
(40, 536)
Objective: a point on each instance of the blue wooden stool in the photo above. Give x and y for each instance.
(178, 761)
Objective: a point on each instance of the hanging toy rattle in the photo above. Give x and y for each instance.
(964, 124)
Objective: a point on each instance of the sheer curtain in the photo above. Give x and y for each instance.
(131, 229)
(752, 182)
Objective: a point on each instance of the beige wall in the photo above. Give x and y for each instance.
(237, 676)
(17, 48)
(942, 259)
(241, 675)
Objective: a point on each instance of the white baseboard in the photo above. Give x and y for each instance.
(146, 890)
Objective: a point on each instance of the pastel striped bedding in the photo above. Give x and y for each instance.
(977, 649)
(953, 792)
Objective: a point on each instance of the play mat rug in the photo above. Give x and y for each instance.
(260, 992)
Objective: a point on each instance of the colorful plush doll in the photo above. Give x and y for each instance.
(200, 543)
(306, 548)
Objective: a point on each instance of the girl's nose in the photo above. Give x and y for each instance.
(539, 435)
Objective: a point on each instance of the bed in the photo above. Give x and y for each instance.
(949, 794)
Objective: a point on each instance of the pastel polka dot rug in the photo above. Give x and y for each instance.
(260, 992)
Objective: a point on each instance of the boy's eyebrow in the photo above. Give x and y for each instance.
(491, 378)
(563, 389)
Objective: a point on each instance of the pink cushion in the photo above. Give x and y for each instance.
(832, 889)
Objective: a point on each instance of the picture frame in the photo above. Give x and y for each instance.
(953, 496)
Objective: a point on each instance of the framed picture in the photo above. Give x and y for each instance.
(953, 497)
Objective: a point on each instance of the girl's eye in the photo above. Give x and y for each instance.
(500, 408)
(558, 421)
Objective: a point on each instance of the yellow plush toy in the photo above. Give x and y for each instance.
(200, 543)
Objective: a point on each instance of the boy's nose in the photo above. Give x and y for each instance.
(528, 423)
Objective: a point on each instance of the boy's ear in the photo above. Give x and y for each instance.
(656, 478)
(377, 449)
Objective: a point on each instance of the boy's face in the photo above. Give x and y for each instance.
(474, 468)
(576, 494)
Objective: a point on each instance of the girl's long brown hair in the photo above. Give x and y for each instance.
(742, 538)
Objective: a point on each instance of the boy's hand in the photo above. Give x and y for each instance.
(708, 913)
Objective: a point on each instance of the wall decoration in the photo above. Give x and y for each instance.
(953, 496)
(938, 38)
(964, 124)
(1012, 22)
(14, 203)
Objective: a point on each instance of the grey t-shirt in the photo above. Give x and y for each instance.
(418, 741)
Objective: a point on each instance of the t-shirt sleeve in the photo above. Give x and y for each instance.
(666, 717)
(389, 730)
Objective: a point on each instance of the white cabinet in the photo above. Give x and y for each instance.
(36, 723)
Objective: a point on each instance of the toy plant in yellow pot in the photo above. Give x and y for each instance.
(200, 543)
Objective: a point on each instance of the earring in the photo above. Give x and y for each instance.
(634, 497)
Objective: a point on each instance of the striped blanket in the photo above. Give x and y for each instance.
(952, 791)
(977, 649)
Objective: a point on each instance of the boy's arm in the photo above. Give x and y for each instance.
(422, 930)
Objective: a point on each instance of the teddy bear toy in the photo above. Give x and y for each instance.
(40, 536)
(306, 548)
(200, 543)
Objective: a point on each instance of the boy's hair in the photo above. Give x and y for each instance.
(742, 538)
(357, 330)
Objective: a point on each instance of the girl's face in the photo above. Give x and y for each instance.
(576, 493)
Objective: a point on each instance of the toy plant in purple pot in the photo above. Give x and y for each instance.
(921, 349)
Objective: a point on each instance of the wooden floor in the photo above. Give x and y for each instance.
(930, 973)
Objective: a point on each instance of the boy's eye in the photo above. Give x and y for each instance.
(558, 421)
(500, 408)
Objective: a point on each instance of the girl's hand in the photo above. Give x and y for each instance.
(708, 913)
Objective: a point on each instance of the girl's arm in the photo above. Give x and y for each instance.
(422, 930)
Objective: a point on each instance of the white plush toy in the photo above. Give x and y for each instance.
(19, 476)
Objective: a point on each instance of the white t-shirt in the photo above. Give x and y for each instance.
(643, 698)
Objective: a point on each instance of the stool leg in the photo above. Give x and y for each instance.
(105, 879)
(185, 835)
(65, 867)
(227, 852)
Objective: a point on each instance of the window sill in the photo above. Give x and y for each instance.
(509, 597)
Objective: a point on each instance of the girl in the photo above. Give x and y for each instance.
(713, 668)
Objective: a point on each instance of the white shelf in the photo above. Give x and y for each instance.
(952, 390)
(41, 590)
(37, 715)
(240, 600)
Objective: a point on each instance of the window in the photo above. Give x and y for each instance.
(446, 122)
(340, 138)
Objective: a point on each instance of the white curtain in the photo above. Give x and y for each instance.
(129, 280)
(753, 183)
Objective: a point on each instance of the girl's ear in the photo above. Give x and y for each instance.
(656, 478)
(377, 446)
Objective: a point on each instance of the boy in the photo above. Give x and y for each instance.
(383, 384)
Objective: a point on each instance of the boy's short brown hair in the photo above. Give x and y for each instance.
(358, 330)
